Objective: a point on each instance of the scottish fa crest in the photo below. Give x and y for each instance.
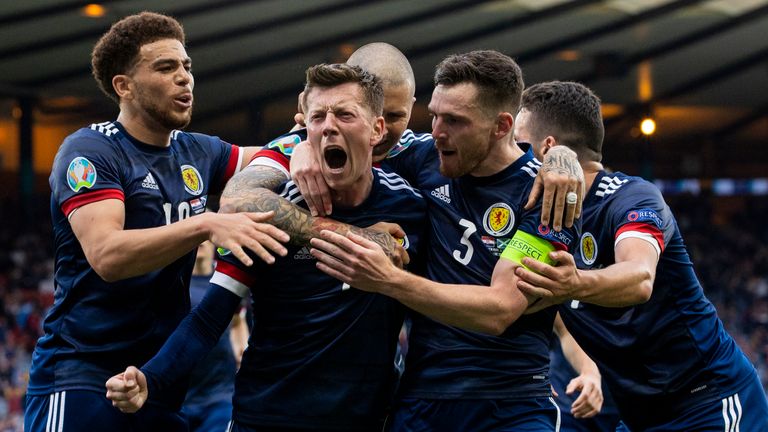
(499, 219)
(193, 182)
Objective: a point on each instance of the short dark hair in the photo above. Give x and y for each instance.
(568, 111)
(498, 78)
(331, 75)
(117, 50)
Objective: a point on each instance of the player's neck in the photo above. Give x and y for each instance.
(138, 128)
(503, 153)
(591, 170)
(354, 195)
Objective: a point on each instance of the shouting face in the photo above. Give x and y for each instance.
(342, 131)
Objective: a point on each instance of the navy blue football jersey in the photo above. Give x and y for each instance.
(321, 354)
(671, 352)
(95, 329)
(471, 221)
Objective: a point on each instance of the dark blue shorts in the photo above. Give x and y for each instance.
(598, 423)
(89, 411)
(745, 411)
(476, 415)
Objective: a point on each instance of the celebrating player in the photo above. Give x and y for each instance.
(124, 193)
(476, 180)
(633, 300)
(321, 355)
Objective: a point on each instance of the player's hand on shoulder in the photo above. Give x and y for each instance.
(238, 231)
(306, 173)
(560, 174)
(128, 390)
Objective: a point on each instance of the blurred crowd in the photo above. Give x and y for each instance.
(726, 237)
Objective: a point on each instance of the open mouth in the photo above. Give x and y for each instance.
(184, 100)
(335, 157)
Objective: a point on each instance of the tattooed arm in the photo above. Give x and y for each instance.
(252, 189)
(559, 174)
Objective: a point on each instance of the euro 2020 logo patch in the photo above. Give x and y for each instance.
(193, 183)
(81, 174)
(588, 248)
(499, 219)
(285, 144)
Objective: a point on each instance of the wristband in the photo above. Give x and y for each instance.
(527, 245)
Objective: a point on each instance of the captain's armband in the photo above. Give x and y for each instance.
(526, 245)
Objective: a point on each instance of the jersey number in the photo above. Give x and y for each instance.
(183, 210)
(470, 229)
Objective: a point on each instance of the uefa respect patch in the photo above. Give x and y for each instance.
(285, 144)
(81, 174)
(193, 182)
(644, 215)
(564, 237)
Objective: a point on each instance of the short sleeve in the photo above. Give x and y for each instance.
(86, 169)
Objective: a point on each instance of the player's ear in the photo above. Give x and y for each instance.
(378, 130)
(505, 125)
(549, 142)
(123, 86)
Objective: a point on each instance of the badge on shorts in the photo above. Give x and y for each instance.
(81, 174)
(193, 183)
(499, 219)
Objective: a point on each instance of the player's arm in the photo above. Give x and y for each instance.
(362, 265)
(191, 341)
(116, 253)
(248, 154)
(560, 173)
(251, 191)
(588, 382)
(628, 282)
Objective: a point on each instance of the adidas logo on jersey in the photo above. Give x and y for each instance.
(442, 193)
(303, 254)
(149, 182)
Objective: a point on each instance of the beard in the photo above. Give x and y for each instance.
(164, 118)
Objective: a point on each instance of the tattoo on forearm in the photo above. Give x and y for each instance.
(251, 191)
(244, 184)
(386, 241)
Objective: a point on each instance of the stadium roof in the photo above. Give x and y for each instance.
(701, 67)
